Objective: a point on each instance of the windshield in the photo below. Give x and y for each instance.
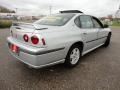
(55, 20)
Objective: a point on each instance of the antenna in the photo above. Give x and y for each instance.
(16, 9)
(50, 7)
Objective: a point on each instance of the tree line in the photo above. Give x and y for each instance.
(6, 10)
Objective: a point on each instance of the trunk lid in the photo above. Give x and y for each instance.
(18, 30)
(23, 27)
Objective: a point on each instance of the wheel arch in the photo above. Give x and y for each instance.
(110, 33)
(78, 43)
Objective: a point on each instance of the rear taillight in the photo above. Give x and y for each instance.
(26, 38)
(35, 39)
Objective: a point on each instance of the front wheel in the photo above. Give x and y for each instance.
(107, 42)
(73, 56)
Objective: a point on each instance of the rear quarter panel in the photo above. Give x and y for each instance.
(62, 37)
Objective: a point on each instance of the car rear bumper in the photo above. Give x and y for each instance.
(34, 56)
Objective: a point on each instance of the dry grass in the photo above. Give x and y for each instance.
(5, 23)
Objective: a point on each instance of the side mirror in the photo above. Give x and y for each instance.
(105, 26)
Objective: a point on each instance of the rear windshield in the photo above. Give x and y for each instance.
(55, 20)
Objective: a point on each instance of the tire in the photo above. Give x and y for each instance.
(73, 56)
(107, 42)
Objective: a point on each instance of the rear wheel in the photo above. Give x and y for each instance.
(107, 42)
(73, 56)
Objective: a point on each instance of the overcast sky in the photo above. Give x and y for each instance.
(36, 7)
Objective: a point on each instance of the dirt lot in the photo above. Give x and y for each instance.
(98, 70)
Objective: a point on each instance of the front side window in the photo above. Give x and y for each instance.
(86, 22)
(97, 23)
(55, 20)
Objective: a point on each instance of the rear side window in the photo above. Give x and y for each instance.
(77, 21)
(86, 22)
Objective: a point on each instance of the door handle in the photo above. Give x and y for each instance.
(85, 33)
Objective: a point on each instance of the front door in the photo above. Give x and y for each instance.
(102, 34)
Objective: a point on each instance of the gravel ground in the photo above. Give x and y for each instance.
(98, 70)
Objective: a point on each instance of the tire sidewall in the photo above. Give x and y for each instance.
(107, 42)
(68, 61)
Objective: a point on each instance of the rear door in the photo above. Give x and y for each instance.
(89, 32)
